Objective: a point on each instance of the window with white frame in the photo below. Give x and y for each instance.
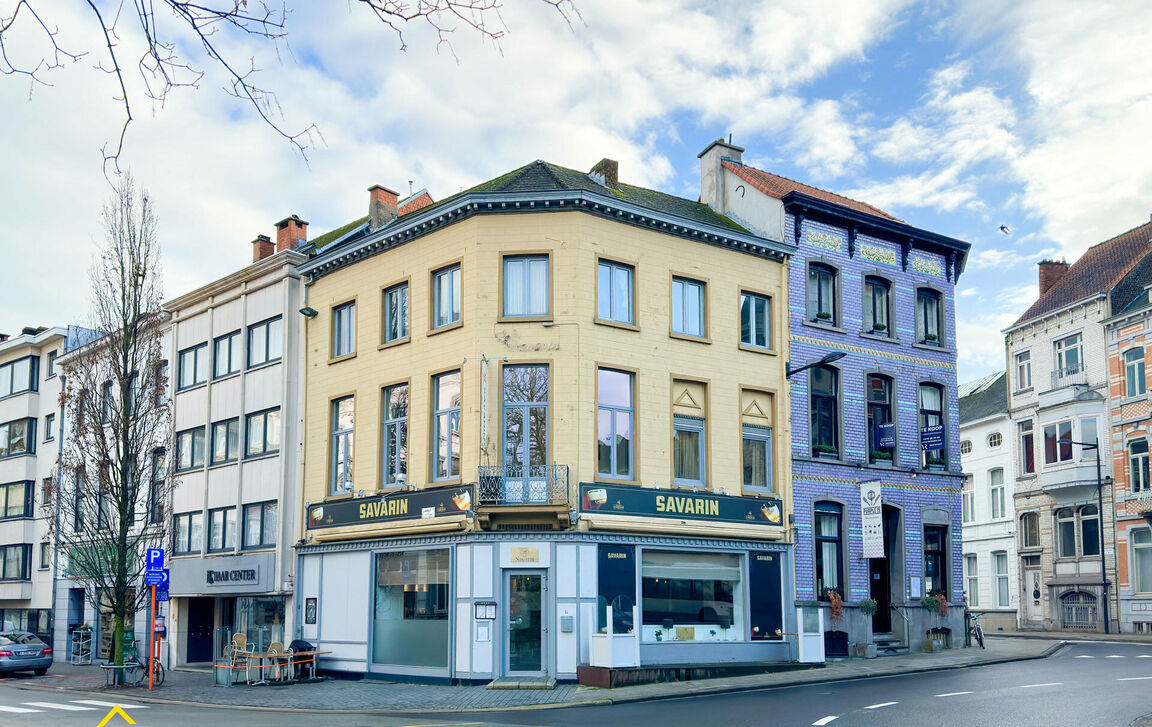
(1089, 516)
(996, 489)
(1069, 355)
(972, 580)
(525, 286)
(757, 457)
(615, 417)
(614, 292)
(262, 433)
(995, 440)
(394, 469)
(1087, 436)
(193, 366)
(689, 307)
(1057, 442)
(1000, 570)
(967, 500)
(755, 325)
(1027, 447)
(1134, 372)
(1024, 370)
(446, 292)
(226, 354)
(877, 297)
(1078, 531)
(344, 329)
(265, 342)
(965, 446)
(1141, 559)
(929, 318)
(688, 447)
(931, 416)
(823, 281)
(1138, 465)
(343, 420)
(396, 313)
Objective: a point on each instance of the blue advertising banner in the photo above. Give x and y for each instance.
(932, 437)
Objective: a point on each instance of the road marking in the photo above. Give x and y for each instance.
(1045, 684)
(1085, 656)
(952, 694)
(98, 703)
(882, 704)
(1131, 679)
(1114, 656)
(53, 705)
(17, 710)
(823, 721)
(1144, 656)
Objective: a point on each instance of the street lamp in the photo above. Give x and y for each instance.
(1100, 515)
(827, 359)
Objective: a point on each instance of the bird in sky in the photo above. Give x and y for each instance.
(1006, 229)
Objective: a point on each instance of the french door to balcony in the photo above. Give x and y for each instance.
(525, 453)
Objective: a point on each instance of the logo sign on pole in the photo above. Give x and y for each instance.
(872, 521)
(932, 437)
(154, 559)
(156, 578)
(886, 435)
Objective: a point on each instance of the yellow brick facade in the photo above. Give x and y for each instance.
(737, 385)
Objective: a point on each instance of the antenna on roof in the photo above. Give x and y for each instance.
(729, 137)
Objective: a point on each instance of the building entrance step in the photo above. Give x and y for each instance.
(523, 683)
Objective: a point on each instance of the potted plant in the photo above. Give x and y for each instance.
(825, 451)
(879, 328)
(868, 608)
(879, 455)
(931, 338)
(824, 316)
(932, 604)
(934, 460)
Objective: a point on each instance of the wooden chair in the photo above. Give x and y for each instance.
(277, 647)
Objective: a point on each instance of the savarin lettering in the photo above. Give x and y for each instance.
(384, 508)
(687, 505)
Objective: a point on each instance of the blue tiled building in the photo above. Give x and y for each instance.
(882, 419)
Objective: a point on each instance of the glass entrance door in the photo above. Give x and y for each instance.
(525, 642)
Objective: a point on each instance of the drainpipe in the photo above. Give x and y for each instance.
(56, 519)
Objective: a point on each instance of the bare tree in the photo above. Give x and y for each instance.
(217, 28)
(108, 507)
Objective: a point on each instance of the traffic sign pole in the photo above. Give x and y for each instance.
(152, 641)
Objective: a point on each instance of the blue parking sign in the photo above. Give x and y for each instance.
(154, 559)
(156, 577)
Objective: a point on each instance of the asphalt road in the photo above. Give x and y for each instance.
(1083, 684)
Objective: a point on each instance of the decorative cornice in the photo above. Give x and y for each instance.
(876, 352)
(416, 224)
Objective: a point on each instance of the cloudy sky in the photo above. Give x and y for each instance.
(956, 117)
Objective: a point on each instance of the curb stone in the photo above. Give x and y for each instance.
(596, 702)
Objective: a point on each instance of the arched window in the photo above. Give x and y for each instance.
(879, 392)
(829, 542)
(932, 426)
(1066, 532)
(929, 318)
(824, 389)
(1089, 530)
(1030, 530)
(877, 297)
(823, 293)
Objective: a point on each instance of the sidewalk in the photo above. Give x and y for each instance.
(368, 695)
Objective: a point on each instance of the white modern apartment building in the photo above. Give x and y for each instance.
(988, 513)
(29, 432)
(237, 390)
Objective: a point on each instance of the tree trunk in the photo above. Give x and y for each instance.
(118, 647)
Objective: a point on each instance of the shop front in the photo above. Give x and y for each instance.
(213, 598)
(472, 606)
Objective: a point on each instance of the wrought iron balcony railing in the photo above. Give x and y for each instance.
(544, 484)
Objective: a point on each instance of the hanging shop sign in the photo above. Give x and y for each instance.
(411, 505)
(680, 505)
(871, 519)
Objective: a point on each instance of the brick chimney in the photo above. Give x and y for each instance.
(382, 204)
(262, 247)
(608, 170)
(291, 232)
(1050, 273)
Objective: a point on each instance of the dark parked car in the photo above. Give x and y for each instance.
(23, 651)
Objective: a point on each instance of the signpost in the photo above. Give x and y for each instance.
(155, 574)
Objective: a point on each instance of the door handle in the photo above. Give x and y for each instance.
(515, 622)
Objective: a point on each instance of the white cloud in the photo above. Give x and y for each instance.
(968, 292)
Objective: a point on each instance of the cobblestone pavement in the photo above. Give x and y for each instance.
(373, 695)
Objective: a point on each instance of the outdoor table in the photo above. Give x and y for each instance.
(290, 656)
(311, 662)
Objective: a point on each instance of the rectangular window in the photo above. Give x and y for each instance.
(19, 376)
(225, 441)
(1134, 372)
(222, 529)
(1088, 436)
(190, 449)
(156, 488)
(344, 330)
(757, 457)
(45, 556)
(525, 393)
(929, 328)
(1027, 448)
(49, 427)
(395, 425)
(1000, 562)
(446, 295)
(824, 406)
(688, 307)
(829, 539)
(996, 485)
(1142, 560)
(107, 403)
(1138, 465)
(1030, 527)
(1024, 370)
(396, 313)
(193, 367)
(188, 532)
(16, 500)
(1066, 532)
(967, 501)
(265, 342)
(822, 294)
(972, 580)
(18, 438)
(615, 586)
(343, 420)
(614, 293)
(936, 559)
(755, 320)
(879, 393)
(446, 426)
(51, 364)
(260, 522)
(262, 433)
(876, 296)
(1069, 359)
(412, 604)
(932, 420)
(692, 590)
(226, 355)
(1089, 530)
(15, 562)
(615, 416)
(688, 451)
(1056, 450)
(525, 285)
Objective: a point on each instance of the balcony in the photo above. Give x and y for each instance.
(1069, 376)
(1141, 504)
(519, 497)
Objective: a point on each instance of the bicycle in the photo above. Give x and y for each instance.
(975, 629)
(142, 667)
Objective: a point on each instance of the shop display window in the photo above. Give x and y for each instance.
(616, 587)
(410, 625)
(691, 596)
(261, 618)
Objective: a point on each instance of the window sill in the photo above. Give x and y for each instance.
(339, 496)
(525, 319)
(186, 470)
(13, 518)
(264, 364)
(870, 336)
(446, 483)
(393, 344)
(756, 349)
(262, 455)
(616, 324)
(445, 328)
(188, 554)
(611, 481)
(1026, 390)
(823, 326)
(687, 337)
(224, 463)
(250, 548)
(338, 359)
(229, 375)
(193, 387)
(932, 347)
(221, 551)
